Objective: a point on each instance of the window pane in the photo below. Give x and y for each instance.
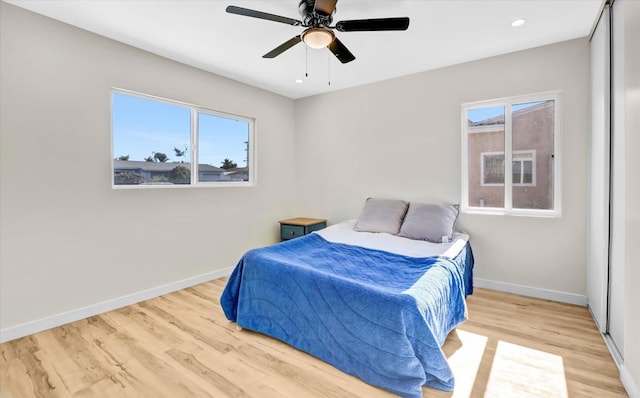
(223, 148)
(485, 131)
(516, 170)
(493, 169)
(533, 134)
(151, 140)
(527, 172)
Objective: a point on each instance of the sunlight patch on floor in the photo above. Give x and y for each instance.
(519, 371)
(465, 362)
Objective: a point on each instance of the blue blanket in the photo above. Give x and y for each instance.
(379, 316)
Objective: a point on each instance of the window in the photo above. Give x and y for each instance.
(162, 143)
(509, 156)
(522, 168)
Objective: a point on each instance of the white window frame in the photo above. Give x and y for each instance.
(508, 209)
(522, 160)
(194, 111)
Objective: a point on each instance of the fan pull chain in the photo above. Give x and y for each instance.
(329, 68)
(306, 61)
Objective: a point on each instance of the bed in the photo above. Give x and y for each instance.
(374, 305)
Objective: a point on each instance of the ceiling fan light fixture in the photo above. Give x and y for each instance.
(317, 37)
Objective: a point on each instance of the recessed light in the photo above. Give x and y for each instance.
(299, 81)
(518, 22)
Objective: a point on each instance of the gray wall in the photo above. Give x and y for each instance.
(401, 138)
(69, 240)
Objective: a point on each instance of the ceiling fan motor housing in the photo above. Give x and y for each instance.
(311, 17)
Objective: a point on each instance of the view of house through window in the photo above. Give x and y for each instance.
(159, 142)
(522, 168)
(527, 130)
(486, 173)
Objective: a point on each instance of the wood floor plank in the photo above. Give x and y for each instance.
(322, 371)
(233, 370)
(192, 365)
(155, 333)
(39, 379)
(203, 336)
(15, 380)
(181, 345)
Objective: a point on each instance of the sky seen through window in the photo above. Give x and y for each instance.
(142, 127)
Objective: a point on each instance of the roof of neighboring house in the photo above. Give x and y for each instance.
(158, 166)
(208, 167)
(236, 170)
(500, 119)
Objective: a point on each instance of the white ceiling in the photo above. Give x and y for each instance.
(442, 32)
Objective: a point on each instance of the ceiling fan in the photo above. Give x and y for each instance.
(317, 16)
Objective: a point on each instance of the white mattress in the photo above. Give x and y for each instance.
(344, 233)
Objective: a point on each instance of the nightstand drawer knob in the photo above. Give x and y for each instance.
(292, 233)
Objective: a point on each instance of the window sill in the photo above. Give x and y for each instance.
(516, 213)
(186, 186)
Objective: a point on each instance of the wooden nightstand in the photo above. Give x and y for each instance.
(296, 227)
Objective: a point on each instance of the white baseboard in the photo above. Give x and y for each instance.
(629, 384)
(52, 321)
(627, 381)
(530, 291)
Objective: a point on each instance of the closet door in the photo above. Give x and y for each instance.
(598, 221)
(617, 246)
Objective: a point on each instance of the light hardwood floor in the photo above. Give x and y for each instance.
(181, 345)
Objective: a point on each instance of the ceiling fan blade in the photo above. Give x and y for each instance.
(283, 47)
(361, 25)
(340, 51)
(262, 15)
(325, 6)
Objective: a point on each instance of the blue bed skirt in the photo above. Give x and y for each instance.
(379, 316)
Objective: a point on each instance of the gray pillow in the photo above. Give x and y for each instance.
(381, 215)
(429, 222)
